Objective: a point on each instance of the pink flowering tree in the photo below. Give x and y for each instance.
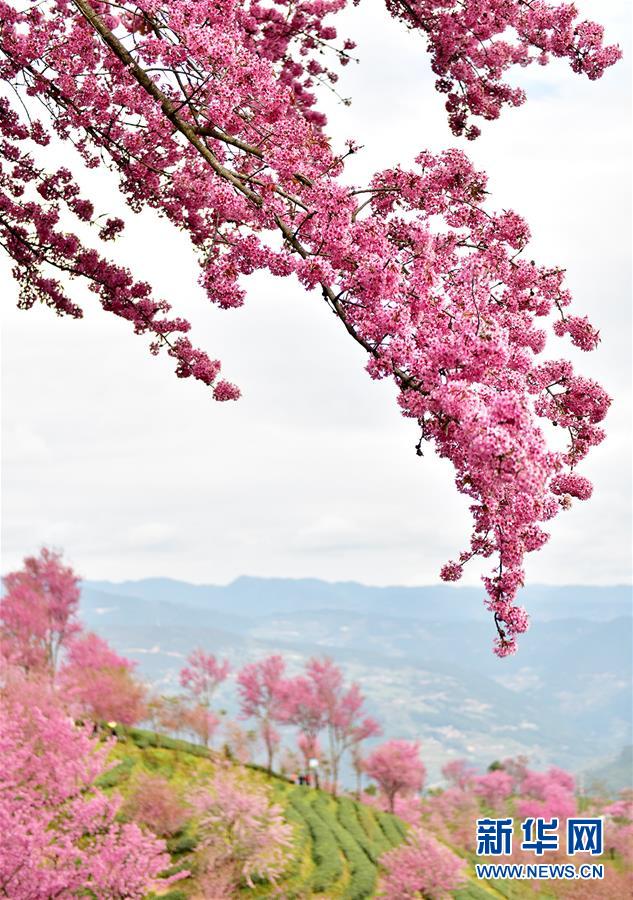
(155, 803)
(509, 788)
(202, 675)
(168, 713)
(397, 768)
(97, 682)
(494, 788)
(321, 700)
(200, 721)
(421, 867)
(240, 743)
(59, 835)
(38, 612)
(547, 795)
(207, 113)
(303, 706)
(450, 814)
(458, 773)
(261, 687)
(243, 834)
(619, 827)
(201, 678)
(622, 808)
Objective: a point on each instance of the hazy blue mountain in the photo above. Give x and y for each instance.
(422, 655)
(612, 774)
(261, 596)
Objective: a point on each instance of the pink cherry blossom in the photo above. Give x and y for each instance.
(203, 674)
(38, 612)
(207, 113)
(261, 688)
(242, 831)
(59, 835)
(422, 866)
(397, 768)
(99, 683)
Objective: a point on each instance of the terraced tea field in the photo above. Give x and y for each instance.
(337, 841)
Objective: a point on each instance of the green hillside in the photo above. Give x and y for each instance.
(337, 840)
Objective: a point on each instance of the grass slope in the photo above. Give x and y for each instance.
(338, 841)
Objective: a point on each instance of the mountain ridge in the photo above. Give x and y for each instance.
(426, 668)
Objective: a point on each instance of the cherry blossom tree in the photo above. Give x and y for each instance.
(422, 866)
(622, 808)
(614, 886)
(397, 768)
(319, 699)
(619, 826)
(619, 839)
(239, 742)
(408, 807)
(548, 795)
(59, 836)
(207, 112)
(38, 612)
(458, 773)
(510, 788)
(303, 706)
(202, 675)
(201, 678)
(450, 814)
(99, 683)
(494, 788)
(156, 804)
(261, 688)
(168, 713)
(199, 720)
(243, 833)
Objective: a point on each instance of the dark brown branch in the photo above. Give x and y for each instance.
(192, 134)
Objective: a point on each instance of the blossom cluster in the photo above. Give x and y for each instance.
(473, 45)
(206, 112)
(59, 834)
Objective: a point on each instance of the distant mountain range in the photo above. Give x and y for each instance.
(422, 656)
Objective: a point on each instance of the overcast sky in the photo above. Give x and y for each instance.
(313, 473)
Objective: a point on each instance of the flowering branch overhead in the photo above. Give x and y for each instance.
(207, 113)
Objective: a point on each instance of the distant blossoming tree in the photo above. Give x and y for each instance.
(155, 803)
(243, 833)
(99, 683)
(168, 713)
(397, 768)
(548, 795)
(321, 700)
(458, 773)
(59, 836)
(206, 110)
(421, 867)
(38, 612)
(508, 788)
(407, 807)
(494, 787)
(201, 678)
(199, 720)
(240, 743)
(203, 674)
(260, 686)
